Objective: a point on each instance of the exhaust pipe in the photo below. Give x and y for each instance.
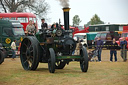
(66, 18)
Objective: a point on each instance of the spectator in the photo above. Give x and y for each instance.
(44, 25)
(99, 48)
(123, 45)
(113, 48)
(30, 29)
(13, 47)
(35, 27)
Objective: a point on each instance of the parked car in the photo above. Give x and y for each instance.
(124, 34)
(107, 37)
(86, 38)
(82, 37)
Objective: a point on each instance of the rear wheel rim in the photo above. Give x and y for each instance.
(28, 54)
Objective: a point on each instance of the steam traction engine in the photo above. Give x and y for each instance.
(54, 47)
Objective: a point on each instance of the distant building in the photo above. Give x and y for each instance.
(107, 27)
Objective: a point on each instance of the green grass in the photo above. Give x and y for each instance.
(99, 73)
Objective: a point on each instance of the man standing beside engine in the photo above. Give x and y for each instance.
(13, 47)
(123, 45)
(99, 48)
(113, 50)
(44, 25)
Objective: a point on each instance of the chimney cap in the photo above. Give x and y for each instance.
(66, 9)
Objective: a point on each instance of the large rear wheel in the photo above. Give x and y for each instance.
(84, 59)
(51, 60)
(29, 53)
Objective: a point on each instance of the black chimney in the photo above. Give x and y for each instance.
(66, 18)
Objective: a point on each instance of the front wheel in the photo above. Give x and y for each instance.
(51, 60)
(84, 59)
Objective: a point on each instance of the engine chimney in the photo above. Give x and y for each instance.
(66, 18)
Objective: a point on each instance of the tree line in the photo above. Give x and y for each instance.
(93, 21)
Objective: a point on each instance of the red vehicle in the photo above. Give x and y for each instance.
(22, 17)
(76, 30)
(124, 34)
(85, 30)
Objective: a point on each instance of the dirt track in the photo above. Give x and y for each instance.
(99, 73)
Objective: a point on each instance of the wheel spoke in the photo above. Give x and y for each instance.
(25, 45)
(28, 42)
(30, 64)
(57, 63)
(31, 59)
(26, 61)
(30, 46)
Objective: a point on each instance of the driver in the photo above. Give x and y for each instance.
(44, 25)
(30, 29)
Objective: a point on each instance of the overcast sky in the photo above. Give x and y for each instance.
(113, 11)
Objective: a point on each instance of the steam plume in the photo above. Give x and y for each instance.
(64, 3)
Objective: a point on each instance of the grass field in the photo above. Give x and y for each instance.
(99, 73)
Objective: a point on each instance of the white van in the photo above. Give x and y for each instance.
(82, 37)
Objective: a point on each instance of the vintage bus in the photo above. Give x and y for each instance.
(22, 17)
